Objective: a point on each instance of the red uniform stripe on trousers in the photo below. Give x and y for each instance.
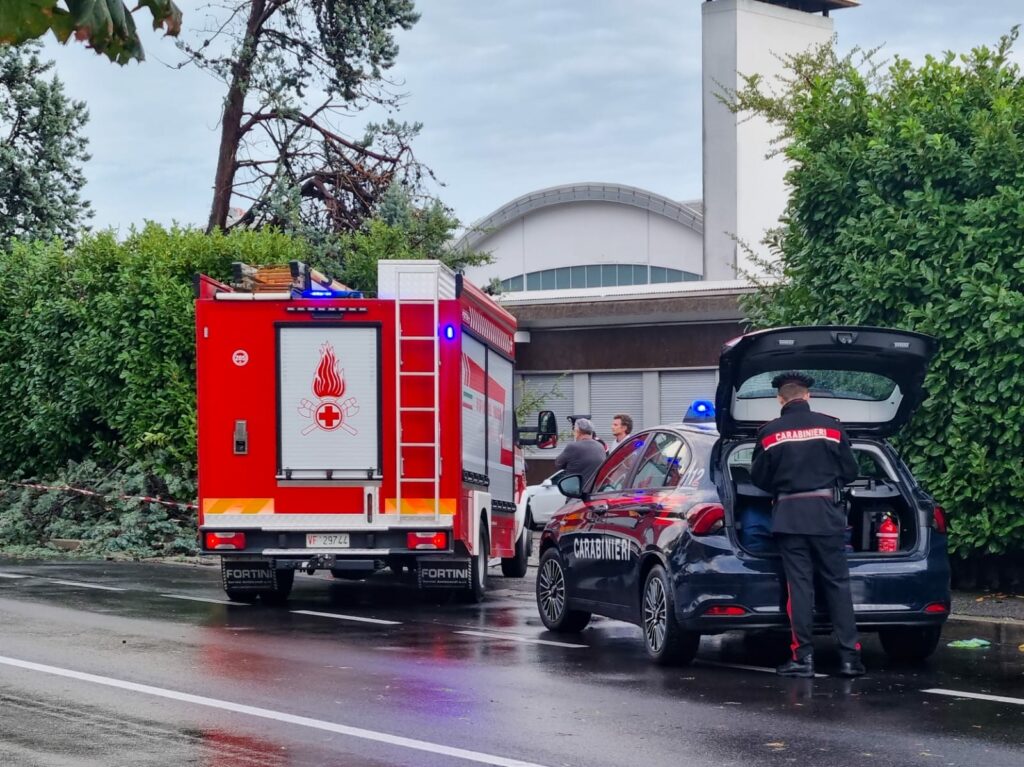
(793, 644)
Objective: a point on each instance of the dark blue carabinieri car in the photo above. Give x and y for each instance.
(673, 536)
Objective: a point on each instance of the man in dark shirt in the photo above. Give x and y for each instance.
(583, 456)
(804, 458)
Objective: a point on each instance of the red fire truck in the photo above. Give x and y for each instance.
(347, 433)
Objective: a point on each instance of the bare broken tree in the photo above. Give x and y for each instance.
(294, 69)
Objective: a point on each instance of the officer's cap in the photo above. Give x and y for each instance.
(792, 376)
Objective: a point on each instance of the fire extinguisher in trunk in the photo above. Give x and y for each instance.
(888, 536)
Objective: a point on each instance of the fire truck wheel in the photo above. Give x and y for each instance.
(515, 567)
(478, 565)
(552, 597)
(279, 594)
(909, 644)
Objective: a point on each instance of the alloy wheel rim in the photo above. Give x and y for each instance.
(552, 590)
(655, 614)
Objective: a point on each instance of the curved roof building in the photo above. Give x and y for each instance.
(588, 235)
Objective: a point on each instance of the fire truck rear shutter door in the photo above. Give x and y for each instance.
(328, 408)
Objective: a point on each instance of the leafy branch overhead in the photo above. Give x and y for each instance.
(106, 26)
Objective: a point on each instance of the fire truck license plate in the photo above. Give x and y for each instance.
(326, 540)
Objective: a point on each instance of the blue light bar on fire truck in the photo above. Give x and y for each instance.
(325, 293)
(308, 282)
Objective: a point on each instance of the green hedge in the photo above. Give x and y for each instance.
(97, 366)
(907, 211)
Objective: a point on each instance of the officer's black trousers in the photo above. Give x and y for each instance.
(802, 557)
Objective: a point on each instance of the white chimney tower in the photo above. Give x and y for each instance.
(744, 193)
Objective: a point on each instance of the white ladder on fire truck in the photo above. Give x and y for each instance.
(420, 278)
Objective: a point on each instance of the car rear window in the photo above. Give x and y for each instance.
(840, 384)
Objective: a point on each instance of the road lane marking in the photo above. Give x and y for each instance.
(762, 669)
(514, 638)
(79, 584)
(348, 617)
(205, 599)
(975, 696)
(279, 716)
(12, 575)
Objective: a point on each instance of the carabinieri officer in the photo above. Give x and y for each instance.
(804, 459)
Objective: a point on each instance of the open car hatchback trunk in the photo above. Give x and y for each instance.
(874, 495)
(871, 379)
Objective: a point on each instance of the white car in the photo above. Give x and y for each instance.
(542, 501)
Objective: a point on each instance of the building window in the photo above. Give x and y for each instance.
(596, 276)
(512, 284)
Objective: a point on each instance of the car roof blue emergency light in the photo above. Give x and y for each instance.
(701, 411)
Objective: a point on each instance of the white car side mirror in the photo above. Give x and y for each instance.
(546, 483)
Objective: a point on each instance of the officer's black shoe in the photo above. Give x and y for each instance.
(803, 667)
(851, 668)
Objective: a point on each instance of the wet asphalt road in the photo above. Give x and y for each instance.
(140, 673)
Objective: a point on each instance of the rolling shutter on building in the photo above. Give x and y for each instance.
(612, 393)
(556, 394)
(679, 388)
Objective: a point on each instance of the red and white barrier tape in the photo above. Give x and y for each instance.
(83, 491)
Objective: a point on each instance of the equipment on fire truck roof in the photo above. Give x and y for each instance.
(299, 278)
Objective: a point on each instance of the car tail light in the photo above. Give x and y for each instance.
(726, 610)
(706, 519)
(939, 520)
(427, 540)
(936, 607)
(225, 541)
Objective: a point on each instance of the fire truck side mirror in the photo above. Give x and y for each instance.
(545, 436)
(547, 430)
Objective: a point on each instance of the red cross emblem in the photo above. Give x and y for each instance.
(328, 416)
(330, 412)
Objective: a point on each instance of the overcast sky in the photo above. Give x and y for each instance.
(515, 95)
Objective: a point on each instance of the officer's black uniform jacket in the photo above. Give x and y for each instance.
(798, 452)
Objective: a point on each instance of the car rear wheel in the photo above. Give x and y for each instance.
(666, 643)
(910, 644)
(552, 597)
(515, 566)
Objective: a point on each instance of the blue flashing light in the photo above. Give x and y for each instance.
(449, 332)
(701, 411)
(326, 293)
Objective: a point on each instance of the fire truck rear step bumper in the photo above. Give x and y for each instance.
(334, 552)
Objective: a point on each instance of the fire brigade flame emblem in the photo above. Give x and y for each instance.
(329, 412)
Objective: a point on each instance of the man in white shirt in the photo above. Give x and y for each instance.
(622, 427)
